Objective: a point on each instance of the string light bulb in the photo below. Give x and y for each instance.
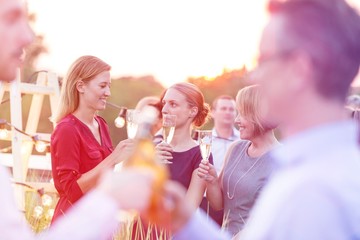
(120, 120)
(40, 145)
(46, 200)
(3, 130)
(38, 211)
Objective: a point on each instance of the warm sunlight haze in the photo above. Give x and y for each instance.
(171, 40)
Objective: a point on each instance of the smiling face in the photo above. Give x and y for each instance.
(246, 127)
(94, 93)
(15, 35)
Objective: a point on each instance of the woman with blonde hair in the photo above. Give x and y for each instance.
(247, 164)
(81, 148)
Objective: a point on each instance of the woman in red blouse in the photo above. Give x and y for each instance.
(81, 147)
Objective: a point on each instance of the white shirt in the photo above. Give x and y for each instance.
(92, 217)
(316, 192)
(220, 146)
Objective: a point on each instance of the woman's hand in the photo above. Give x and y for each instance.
(207, 172)
(163, 152)
(123, 150)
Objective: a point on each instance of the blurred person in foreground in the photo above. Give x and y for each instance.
(309, 55)
(94, 217)
(155, 102)
(247, 166)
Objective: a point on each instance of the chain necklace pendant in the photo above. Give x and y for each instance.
(230, 197)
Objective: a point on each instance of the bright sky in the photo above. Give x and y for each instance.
(170, 40)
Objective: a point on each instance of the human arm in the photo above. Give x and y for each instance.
(71, 152)
(186, 223)
(214, 190)
(214, 194)
(195, 192)
(121, 153)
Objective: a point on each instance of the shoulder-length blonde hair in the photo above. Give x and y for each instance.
(248, 101)
(83, 69)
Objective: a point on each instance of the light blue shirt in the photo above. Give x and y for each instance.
(199, 228)
(220, 146)
(316, 192)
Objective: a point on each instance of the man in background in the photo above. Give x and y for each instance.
(224, 133)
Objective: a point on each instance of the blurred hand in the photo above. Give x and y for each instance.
(163, 151)
(207, 172)
(174, 211)
(131, 188)
(123, 150)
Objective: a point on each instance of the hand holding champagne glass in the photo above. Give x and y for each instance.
(168, 130)
(131, 123)
(205, 141)
(168, 127)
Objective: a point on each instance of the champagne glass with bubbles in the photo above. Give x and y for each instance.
(131, 122)
(168, 129)
(205, 141)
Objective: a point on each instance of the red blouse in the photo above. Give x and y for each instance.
(74, 151)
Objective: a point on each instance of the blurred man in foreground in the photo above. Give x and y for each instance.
(309, 55)
(95, 216)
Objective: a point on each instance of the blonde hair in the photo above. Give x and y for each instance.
(83, 69)
(249, 105)
(194, 98)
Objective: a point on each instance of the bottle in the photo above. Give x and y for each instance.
(144, 156)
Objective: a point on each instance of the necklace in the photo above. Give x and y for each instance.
(231, 196)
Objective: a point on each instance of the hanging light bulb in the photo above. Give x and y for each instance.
(38, 211)
(49, 213)
(120, 120)
(40, 145)
(46, 200)
(3, 131)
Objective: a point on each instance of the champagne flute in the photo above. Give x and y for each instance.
(131, 128)
(168, 130)
(131, 123)
(168, 127)
(205, 141)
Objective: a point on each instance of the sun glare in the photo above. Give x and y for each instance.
(169, 40)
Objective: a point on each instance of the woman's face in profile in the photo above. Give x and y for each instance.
(175, 103)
